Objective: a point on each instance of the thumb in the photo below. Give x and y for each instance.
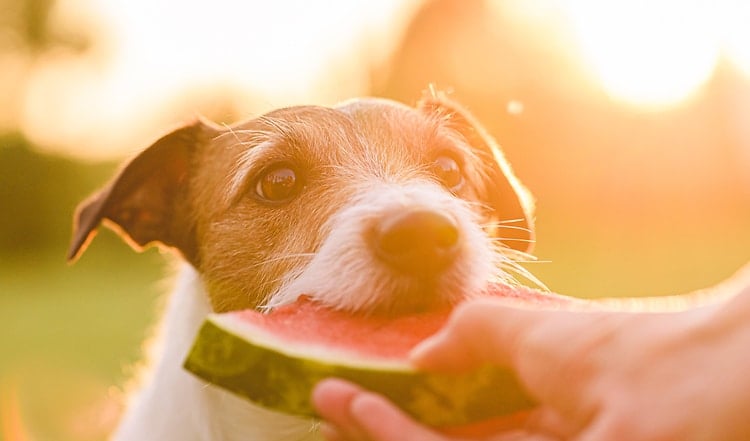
(478, 332)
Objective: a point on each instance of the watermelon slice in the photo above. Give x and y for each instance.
(276, 359)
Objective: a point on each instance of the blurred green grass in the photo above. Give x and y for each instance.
(593, 260)
(70, 333)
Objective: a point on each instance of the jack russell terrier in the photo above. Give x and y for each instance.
(371, 205)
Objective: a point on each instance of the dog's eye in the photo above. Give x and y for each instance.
(448, 171)
(278, 184)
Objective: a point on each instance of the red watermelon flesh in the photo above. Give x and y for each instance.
(358, 337)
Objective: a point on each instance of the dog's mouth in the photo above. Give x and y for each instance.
(425, 287)
(416, 297)
(388, 293)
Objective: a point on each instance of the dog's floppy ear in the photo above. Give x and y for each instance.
(146, 202)
(511, 203)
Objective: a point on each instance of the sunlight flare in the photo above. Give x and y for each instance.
(651, 53)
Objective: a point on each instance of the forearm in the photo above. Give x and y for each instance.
(722, 293)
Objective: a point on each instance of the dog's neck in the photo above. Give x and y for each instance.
(173, 405)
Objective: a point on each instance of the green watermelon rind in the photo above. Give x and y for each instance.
(284, 382)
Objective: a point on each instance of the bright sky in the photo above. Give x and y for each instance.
(656, 53)
(647, 53)
(150, 51)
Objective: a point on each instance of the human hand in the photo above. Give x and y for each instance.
(598, 375)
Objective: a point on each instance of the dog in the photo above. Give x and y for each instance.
(371, 205)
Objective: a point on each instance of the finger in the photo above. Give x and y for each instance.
(480, 331)
(382, 421)
(355, 414)
(332, 399)
(446, 351)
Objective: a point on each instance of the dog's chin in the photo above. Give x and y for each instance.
(413, 297)
(387, 294)
(408, 294)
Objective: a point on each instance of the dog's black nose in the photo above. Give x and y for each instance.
(418, 242)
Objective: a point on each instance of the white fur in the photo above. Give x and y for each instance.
(344, 274)
(173, 405)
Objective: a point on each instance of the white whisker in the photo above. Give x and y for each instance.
(513, 227)
(512, 239)
(503, 222)
(284, 257)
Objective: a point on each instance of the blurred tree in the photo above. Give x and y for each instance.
(34, 22)
(29, 30)
(27, 25)
(38, 194)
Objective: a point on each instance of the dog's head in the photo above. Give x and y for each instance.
(368, 205)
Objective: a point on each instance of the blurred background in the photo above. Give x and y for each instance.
(629, 121)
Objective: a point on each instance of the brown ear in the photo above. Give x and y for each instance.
(511, 203)
(147, 200)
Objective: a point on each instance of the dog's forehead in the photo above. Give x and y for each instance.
(365, 127)
(364, 109)
(369, 120)
(388, 118)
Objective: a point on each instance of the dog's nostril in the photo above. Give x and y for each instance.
(417, 241)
